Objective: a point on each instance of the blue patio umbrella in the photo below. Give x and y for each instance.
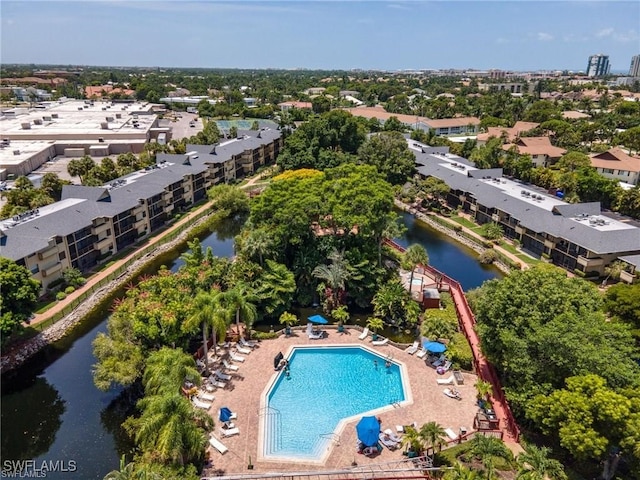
(225, 414)
(368, 430)
(434, 347)
(318, 319)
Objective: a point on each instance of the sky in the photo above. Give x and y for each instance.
(382, 35)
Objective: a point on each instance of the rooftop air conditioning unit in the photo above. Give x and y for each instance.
(47, 118)
(16, 152)
(104, 126)
(109, 119)
(37, 121)
(54, 115)
(118, 115)
(100, 140)
(26, 125)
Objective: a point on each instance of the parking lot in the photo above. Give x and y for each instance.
(181, 127)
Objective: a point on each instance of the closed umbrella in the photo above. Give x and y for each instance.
(368, 430)
(225, 414)
(434, 347)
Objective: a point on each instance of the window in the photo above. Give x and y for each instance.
(35, 269)
(62, 255)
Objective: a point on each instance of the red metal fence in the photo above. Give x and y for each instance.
(467, 321)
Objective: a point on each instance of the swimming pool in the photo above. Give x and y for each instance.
(325, 385)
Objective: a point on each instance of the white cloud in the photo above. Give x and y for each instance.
(605, 32)
(502, 40)
(572, 38)
(544, 37)
(628, 36)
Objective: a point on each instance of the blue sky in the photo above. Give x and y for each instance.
(516, 35)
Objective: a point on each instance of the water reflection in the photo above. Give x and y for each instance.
(40, 411)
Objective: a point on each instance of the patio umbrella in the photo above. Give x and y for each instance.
(276, 360)
(318, 319)
(434, 347)
(225, 414)
(368, 430)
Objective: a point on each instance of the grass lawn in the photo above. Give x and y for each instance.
(464, 222)
(527, 259)
(42, 307)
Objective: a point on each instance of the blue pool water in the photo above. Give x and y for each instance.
(325, 385)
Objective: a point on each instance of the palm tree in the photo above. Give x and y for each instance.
(288, 319)
(460, 472)
(375, 324)
(240, 301)
(166, 371)
(126, 471)
(258, 243)
(334, 275)
(412, 440)
(484, 389)
(172, 428)
(203, 313)
(534, 464)
(433, 435)
(488, 449)
(414, 255)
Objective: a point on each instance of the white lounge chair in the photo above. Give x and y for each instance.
(247, 344)
(446, 381)
(392, 435)
(222, 376)
(217, 444)
(236, 358)
(413, 348)
(243, 350)
(452, 393)
(450, 433)
(213, 381)
(421, 353)
(228, 366)
(200, 404)
(364, 333)
(379, 343)
(229, 432)
(315, 335)
(206, 396)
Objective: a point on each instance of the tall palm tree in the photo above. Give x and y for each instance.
(258, 243)
(412, 440)
(534, 464)
(172, 428)
(240, 301)
(204, 309)
(334, 276)
(488, 449)
(433, 435)
(166, 371)
(132, 471)
(219, 324)
(414, 255)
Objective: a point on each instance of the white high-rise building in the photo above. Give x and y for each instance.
(598, 65)
(634, 70)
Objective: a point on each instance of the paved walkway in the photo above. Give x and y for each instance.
(244, 391)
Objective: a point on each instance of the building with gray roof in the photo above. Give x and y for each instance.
(89, 224)
(579, 237)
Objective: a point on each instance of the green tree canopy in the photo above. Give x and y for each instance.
(390, 154)
(19, 295)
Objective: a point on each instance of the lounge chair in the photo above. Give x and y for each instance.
(213, 381)
(379, 343)
(315, 335)
(392, 435)
(450, 380)
(247, 344)
(450, 433)
(229, 432)
(364, 333)
(236, 358)
(206, 396)
(228, 366)
(447, 365)
(413, 348)
(243, 350)
(217, 444)
(200, 403)
(387, 441)
(222, 376)
(452, 393)
(421, 353)
(402, 428)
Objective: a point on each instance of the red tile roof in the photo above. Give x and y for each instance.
(616, 159)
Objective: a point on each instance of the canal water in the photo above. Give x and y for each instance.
(52, 412)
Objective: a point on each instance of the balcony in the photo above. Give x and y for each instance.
(519, 230)
(473, 207)
(100, 244)
(98, 229)
(47, 253)
(495, 217)
(47, 272)
(549, 244)
(590, 262)
(627, 277)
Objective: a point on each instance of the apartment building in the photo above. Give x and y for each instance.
(89, 224)
(618, 165)
(543, 154)
(579, 237)
(598, 65)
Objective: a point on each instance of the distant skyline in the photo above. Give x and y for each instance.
(382, 35)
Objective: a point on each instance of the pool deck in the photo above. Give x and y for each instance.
(243, 393)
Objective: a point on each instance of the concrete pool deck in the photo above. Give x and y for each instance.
(243, 396)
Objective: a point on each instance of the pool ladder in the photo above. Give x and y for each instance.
(395, 403)
(273, 423)
(335, 438)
